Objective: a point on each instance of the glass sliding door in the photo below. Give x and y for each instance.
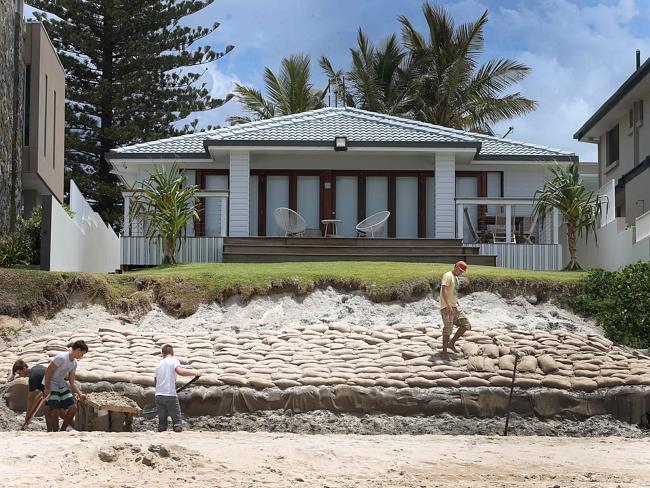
(214, 206)
(346, 205)
(431, 207)
(308, 200)
(253, 205)
(277, 195)
(406, 220)
(467, 187)
(377, 198)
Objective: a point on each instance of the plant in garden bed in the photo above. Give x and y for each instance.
(579, 207)
(167, 205)
(619, 301)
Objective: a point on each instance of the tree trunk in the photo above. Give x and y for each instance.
(169, 249)
(571, 240)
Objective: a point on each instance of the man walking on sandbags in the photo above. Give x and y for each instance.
(58, 396)
(450, 310)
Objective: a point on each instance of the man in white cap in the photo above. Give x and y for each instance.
(449, 309)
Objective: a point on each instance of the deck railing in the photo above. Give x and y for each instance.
(142, 251)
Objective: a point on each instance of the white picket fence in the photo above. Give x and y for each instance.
(142, 251)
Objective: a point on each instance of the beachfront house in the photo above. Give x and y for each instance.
(618, 128)
(468, 195)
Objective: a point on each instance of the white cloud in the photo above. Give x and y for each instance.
(579, 55)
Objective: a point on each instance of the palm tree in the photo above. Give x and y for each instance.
(579, 207)
(166, 204)
(452, 89)
(289, 92)
(378, 79)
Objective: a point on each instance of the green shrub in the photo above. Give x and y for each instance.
(24, 245)
(619, 301)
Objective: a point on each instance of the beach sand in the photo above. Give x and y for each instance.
(243, 459)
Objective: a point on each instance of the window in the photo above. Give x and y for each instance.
(631, 118)
(640, 114)
(45, 122)
(54, 133)
(28, 99)
(612, 145)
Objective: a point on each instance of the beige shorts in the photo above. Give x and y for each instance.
(457, 318)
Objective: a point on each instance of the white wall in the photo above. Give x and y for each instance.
(83, 243)
(615, 248)
(445, 194)
(239, 188)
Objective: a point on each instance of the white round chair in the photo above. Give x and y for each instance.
(373, 224)
(292, 223)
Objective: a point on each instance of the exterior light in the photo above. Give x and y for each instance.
(341, 143)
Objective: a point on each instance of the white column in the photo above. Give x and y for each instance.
(445, 194)
(239, 189)
(556, 226)
(459, 221)
(508, 223)
(126, 226)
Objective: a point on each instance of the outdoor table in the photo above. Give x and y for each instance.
(334, 223)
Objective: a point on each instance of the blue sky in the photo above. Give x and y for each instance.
(579, 51)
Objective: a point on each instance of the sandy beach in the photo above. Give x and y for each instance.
(243, 459)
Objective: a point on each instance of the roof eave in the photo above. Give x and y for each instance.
(115, 155)
(511, 157)
(612, 101)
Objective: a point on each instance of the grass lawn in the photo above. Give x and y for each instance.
(379, 274)
(180, 289)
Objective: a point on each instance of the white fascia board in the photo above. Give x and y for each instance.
(405, 149)
(507, 162)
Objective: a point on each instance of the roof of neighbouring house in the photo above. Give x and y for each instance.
(628, 87)
(360, 127)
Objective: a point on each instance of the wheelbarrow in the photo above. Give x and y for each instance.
(150, 411)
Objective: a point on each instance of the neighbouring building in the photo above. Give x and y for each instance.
(346, 164)
(623, 138)
(619, 129)
(32, 116)
(44, 120)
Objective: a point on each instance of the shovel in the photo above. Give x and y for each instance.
(150, 411)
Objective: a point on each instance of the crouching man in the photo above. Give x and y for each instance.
(35, 377)
(59, 397)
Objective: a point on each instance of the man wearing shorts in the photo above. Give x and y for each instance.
(59, 398)
(450, 310)
(35, 377)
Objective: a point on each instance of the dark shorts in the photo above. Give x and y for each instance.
(60, 398)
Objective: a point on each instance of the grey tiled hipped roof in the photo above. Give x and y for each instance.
(320, 127)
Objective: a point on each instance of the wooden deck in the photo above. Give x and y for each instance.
(284, 249)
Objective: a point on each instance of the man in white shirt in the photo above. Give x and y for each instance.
(165, 381)
(450, 310)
